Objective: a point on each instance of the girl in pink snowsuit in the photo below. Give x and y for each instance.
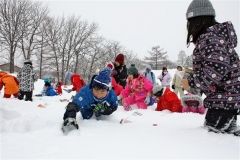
(137, 91)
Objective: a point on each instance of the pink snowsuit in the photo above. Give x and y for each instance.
(136, 92)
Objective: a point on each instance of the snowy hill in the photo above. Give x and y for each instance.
(31, 132)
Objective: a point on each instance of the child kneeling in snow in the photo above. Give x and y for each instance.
(137, 91)
(166, 99)
(192, 103)
(96, 98)
(48, 90)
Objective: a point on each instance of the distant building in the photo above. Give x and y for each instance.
(6, 66)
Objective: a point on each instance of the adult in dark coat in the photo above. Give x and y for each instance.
(216, 67)
(120, 70)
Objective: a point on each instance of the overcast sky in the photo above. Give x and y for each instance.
(140, 24)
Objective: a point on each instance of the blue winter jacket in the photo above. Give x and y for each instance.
(50, 91)
(86, 101)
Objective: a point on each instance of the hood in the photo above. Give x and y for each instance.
(225, 31)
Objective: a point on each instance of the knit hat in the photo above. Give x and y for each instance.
(47, 84)
(132, 70)
(200, 8)
(102, 80)
(120, 58)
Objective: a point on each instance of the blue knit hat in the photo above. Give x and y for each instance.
(103, 79)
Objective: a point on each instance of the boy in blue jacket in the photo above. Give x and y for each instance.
(49, 90)
(95, 98)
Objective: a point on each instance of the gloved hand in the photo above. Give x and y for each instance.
(147, 100)
(173, 86)
(99, 109)
(69, 124)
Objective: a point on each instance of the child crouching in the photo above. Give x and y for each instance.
(166, 99)
(192, 103)
(96, 98)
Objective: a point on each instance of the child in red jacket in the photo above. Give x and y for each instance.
(59, 88)
(166, 99)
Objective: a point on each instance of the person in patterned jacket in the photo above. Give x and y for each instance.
(216, 67)
(26, 78)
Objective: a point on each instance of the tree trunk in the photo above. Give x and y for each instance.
(11, 68)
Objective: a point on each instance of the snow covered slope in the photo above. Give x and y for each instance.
(31, 132)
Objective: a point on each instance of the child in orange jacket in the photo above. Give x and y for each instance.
(166, 99)
(10, 83)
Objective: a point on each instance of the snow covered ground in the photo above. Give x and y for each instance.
(31, 132)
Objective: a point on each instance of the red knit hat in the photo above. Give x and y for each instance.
(120, 58)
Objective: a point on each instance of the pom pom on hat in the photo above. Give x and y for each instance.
(103, 79)
(120, 58)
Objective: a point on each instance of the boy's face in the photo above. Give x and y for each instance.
(99, 93)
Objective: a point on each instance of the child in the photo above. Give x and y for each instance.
(120, 70)
(59, 88)
(26, 78)
(166, 99)
(76, 81)
(216, 67)
(115, 86)
(192, 103)
(165, 77)
(137, 91)
(49, 90)
(177, 81)
(149, 74)
(10, 83)
(96, 98)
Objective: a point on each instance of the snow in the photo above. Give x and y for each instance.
(31, 132)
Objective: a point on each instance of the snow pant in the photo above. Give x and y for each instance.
(27, 94)
(131, 100)
(9, 95)
(221, 120)
(179, 90)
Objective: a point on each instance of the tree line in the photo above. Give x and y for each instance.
(59, 44)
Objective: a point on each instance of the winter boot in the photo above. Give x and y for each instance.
(21, 95)
(237, 131)
(227, 122)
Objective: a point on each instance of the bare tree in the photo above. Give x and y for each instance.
(188, 62)
(31, 32)
(54, 36)
(11, 18)
(83, 39)
(181, 58)
(157, 57)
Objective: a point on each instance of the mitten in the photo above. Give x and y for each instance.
(99, 109)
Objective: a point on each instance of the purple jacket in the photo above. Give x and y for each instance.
(216, 67)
